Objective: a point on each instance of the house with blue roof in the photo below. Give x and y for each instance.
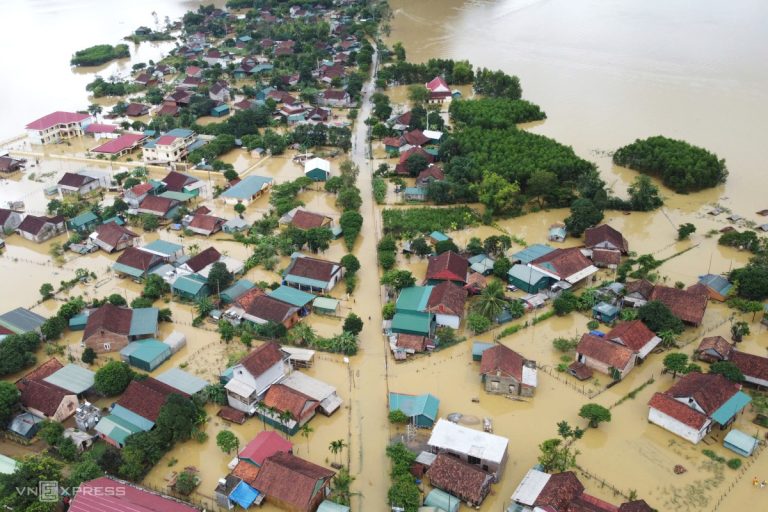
(191, 287)
(415, 194)
(247, 190)
(482, 264)
(717, 286)
(420, 409)
(531, 253)
(84, 223)
(528, 279)
(168, 251)
(21, 321)
(437, 236)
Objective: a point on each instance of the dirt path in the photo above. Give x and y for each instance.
(370, 428)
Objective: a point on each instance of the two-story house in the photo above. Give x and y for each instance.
(254, 374)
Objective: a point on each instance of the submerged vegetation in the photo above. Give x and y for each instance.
(99, 54)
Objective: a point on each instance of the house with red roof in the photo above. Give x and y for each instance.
(265, 444)
(687, 305)
(136, 194)
(254, 374)
(172, 146)
(292, 483)
(287, 408)
(57, 126)
(753, 367)
(695, 403)
(505, 372)
(194, 71)
(313, 274)
(102, 131)
(568, 265)
(605, 237)
(205, 225)
(110, 328)
(598, 353)
(402, 169)
(447, 266)
(136, 262)
(108, 493)
(74, 183)
(563, 492)
(438, 90)
(40, 229)
(446, 301)
(429, 175)
(305, 219)
(122, 145)
(466, 481)
(636, 336)
(136, 110)
(112, 237)
(43, 399)
(714, 348)
(334, 98)
(158, 206)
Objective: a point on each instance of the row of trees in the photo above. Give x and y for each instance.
(494, 113)
(402, 72)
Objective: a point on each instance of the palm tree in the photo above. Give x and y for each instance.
(204, 306)
(668, 339)
(262, 409)
(305, 431)
(285, 417)
(491, 301)
(336, 446)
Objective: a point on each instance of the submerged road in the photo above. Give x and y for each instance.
(370, 428)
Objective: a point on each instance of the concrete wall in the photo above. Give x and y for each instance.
(96, 342)
(451, 321)
(501, 385)
(671, 424)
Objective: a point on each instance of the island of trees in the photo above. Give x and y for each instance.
(680, 165)
(99, 54)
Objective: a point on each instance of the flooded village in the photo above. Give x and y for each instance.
(340, 255)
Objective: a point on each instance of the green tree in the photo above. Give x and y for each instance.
(477, 323)
(240, 209)
(318, 239)
(219, 277)
(501, 267)
(227, 441)
(584, 214)
(178, 417)
(739, 330)
(498, 194)
(336, 447)
(595, 413)
(84, 471)
(728, 370)
(46, 291)
(556, 454)
(418, 94)
(445, 246)
(388, 311)
(53, 328)
(675, 362)
(644, 195)
(685, 230)
(226, 330)
(117, 300)
(353, 324)
(350, 222)
(9, 401)
(398, 279)
(398, 416)
(154, 287)
(658, 318)
(148, 222)
(565, 344)
(29, 473)
(89, 355)
(542, 185)
(491, 300)
(565, 303)
(420, 246)
(186, 482)
(350, 263)
(204, 306)
(112, 378)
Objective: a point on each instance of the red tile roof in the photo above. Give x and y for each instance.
(635, 506)
(202, 259)
(456, 477)
(5, 214)
(146, 397)
(687, 306)
(165, 140)
(433, 171)
(303, 219)
(605, 233)
(501, 360)
(158, 204)
(141, 189)
(111, 233)
(394, 142)
(206, 222)
(562, 262)
(262, 359)
(245, 300)
(587, 503)
(100, 128)
(285, 399)
(332, 94)
(448, 266)
(600, 349)
(291, 480)
(710, 390)
(230, 414)
(109, 318)
(176, 181)
(436, 84)
(415, 137)
(136, 109)
(606, 257)
(56, 118)
(265, 444)
(43, 396)
(559, 491)
(46, 369)
(405, 155)
(412, 342)
(313, 268)
(107, 494)
(643, 287)
(634, 335)
(717, 344)
(447, 298)
(136, 258)
(272, 310)
(122, 143)
(751, 365)
(246, 472)
(677, 410)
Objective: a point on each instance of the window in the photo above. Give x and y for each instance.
(473, 460)
(495, 385)
(107, 346)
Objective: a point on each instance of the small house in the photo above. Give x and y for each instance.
(84, 222)
(167, 251)
(9, 220)
(741, 443)
(557, 233)
(264, 309)
(41, 229)
(482, 264)
(43, 399)
(420, 409)
(635, 336)
(568, 265)
(713, 349)
(318, 169)
(303, 219)
(605, 356)
(687, 305)
(254, 374)
(110, 328)
(438, 90)
(478, 347)
(528, 279)
(437, 236)
(313, 274)
(324, 394)
(77, 184)
(206, 225)
(465, 481)
(72, 378)
(505, 372)
(247, 190)
(158, 206)
(112, 237)
(481, 449)
(605, 237)
(447, 266)
(530, 253)
(605, 312)
(439, 500)
(176, 341)
(220, 110)
(149, 354)
(264, 445)
(192, 287)
(21, 321)
(718, 287)
(420, 324)
(415, 194)
(234, 225)
(294, 297)
(235, 291)
(326, 306)
(430, 175)
(447, 301)
(25, 426)
(753, 367)
(136, 263)
(294, 484)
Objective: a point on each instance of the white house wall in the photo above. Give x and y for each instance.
(676, 427)
(451, 321)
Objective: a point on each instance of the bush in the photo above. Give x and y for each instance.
(592, 325)
(112, 378)
(477, 323)
(408, 221)
(398, 416)
(734, 463)
(565, 344)
(89, 355)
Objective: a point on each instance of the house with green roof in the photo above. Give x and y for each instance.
(413, 299)
(438, 236)
(421, 409)
(84, 223)
(531, 253)
(168, 251)
(192, 287)
(116, 428)
(149, 354)
(326, 306)
(411, 322)
(528, 278)
(292, 296)
(235, 291)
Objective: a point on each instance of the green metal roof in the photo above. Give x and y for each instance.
(73, 378)
(292, 296)
(526, 274)
(532, 252)
(143, 322)
(163, 247)
(78, 322)
(191, 284)
(182, 197)
(83, 219)
(415, 405)
(478, 347)
(8, 465)
(247, 188)
(439, 236)
(125, 269)
(150, 350)
(410, 322)
(236, 290)
(326, 303)
(442, 500)
(305, 281)
(116, 428)
(414, 298)
(606, 309)
(731, 408)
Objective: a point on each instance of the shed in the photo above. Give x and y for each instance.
(528, 278)
(235, 291)
(557, 233)
(129, 349)
(330, 506)
(84, 222)
(299, 357)
(78, 322)
(72, 378)
(415, 194)
(421, 409)
(318, 169)
(220, 111)
(25, 425)
(292, 296)
(149, 354)
(190, 287)
(739, 442)
(413, 323)
(8, 465)
(175, 341)
(325, 306)
(481, 264)
(604, 312)
(244, 495)
(478, 347)
(437, 236)
(21, 321)
(442, 501)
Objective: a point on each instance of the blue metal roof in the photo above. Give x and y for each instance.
(131, 417)
(718, 283)
(415, 405)
(605, 309)
(532, 252)
(191, 284)
(248, 187)
(292, 296)
(526, 274)
(236, 290)
(244, 495)
(143, 322)
(183, 381)
(739, 442)
(181, 132)
(731, 408)
(163, 247)
(478, 347)
(21, 320)
(438, 236)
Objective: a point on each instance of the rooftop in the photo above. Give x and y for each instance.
(460, 439)
(56, 118)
